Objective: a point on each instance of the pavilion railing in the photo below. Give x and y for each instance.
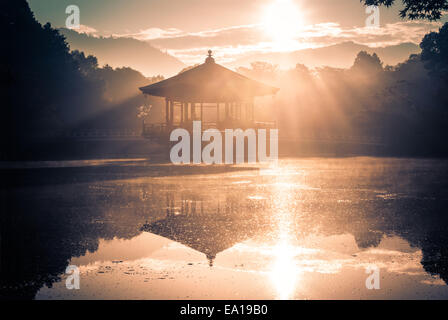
(161, 129)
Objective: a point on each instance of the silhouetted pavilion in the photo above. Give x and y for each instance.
(208, 85)
(205, 234)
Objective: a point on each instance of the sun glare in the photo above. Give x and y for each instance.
(282, 21)
(284, 271)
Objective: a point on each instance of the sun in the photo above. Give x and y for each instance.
(282, 21)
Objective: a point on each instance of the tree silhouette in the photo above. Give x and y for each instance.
(48, 90)
(435, 52)
(367, 63)
(41, 75)
(87, 65)
(415, 9)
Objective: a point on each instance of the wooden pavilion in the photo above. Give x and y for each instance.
(208, 85)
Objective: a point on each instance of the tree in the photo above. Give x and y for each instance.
(435, 52)
(46, 89)
(415, 9)
(41, 78)
(87, 65)
(366, 63)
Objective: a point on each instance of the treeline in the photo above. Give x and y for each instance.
(405, 107)
(46, 89)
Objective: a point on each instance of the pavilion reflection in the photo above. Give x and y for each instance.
(209, 227)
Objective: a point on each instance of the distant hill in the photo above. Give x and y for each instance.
(125, 52)
(340, 55)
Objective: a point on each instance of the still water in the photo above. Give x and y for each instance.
(300, 229)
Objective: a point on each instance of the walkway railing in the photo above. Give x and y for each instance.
(151, 130)
(102, 133)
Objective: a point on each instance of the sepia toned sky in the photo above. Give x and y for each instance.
(187, 28)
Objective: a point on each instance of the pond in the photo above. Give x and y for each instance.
(308, 228)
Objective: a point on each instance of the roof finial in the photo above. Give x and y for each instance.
(209, 57)
(210, 258)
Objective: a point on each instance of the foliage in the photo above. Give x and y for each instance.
(48, 89)
(367, 63)
(415, 9)
(435, 52)
(404, 106)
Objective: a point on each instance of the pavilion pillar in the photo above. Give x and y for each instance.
(188, 107)
(181, 112)
(186, 111)
(193, 110)
(167, 111)
(171, 112)
(202, 111)
(217, 112)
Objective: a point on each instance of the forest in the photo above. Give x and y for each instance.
(47, 90)
(50, 90)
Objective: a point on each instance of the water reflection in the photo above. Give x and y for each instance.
(284, 270)
(206, 226)
(302, 229)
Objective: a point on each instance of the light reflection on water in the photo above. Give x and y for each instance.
(284, 271)
(302, 229)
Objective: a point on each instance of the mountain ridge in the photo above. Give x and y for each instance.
(124, 52)
(339, 55)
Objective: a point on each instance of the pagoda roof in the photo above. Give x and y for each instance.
(209, 82)
(204, 233)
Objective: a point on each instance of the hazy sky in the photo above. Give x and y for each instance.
(187, 28)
